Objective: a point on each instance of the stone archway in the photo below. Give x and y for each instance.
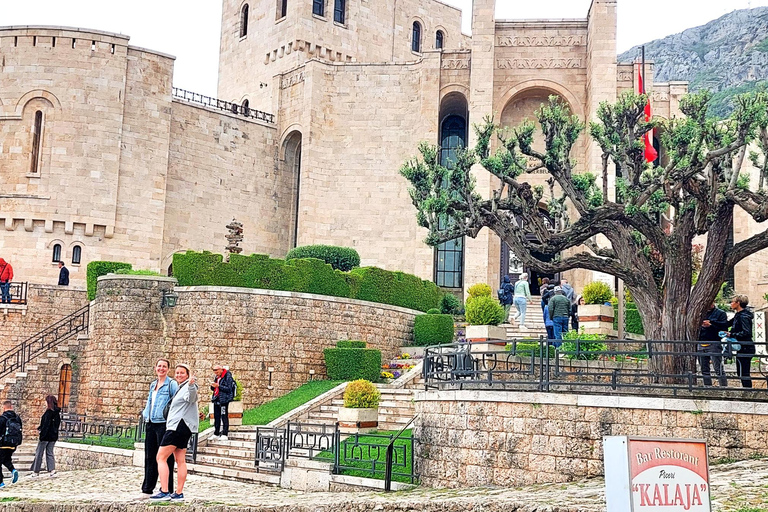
(290, 165)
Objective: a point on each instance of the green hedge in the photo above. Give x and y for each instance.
(484, 310)
(350, 344)
(340, 258)
(432, 330)
(526, 348)
(101, 268)
(307, 276)
(352, 363)
(633, 323)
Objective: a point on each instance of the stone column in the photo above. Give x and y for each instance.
(482, 253)
(127, 336)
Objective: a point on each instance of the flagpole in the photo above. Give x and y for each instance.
(642, 70)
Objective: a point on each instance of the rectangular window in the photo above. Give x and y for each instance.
(318, 7)
(283, 8)
(37, 141)
(338, 11)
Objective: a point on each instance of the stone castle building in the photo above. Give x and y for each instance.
(321, 101)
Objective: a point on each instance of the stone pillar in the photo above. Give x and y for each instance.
(482, 253)
(127, 336)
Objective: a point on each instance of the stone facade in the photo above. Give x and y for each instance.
(477, 438)
(74, 456)
(272, 341)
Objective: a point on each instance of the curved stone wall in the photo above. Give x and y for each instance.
(272, 341)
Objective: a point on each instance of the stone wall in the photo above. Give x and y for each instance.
(73, 456)
(252, 331)
(475, 438)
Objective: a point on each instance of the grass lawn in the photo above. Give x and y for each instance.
(272, 410)
(112, 442)
(372, 456)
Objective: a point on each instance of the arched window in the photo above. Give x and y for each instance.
(65, 386)
(56, 256)
(339, 11)
(416, 37)
(77, 254)
(37, 141)
(246, 107)
(244, 21)
(439, 40)
(318, 7)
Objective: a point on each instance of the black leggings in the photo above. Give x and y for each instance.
(743, 362)
(154, 435)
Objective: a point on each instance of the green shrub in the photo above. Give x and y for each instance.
(432, 329)
(597, 292)
(450, 304)
(433, 311)
(351, 344)
(137, 272)
(352, 363)
(96, 269)
(633, 322)
(340, 258)
(526, 348)
(589, 345)
(305, 275)
(361, 394)
(484, 310)
(479, 290)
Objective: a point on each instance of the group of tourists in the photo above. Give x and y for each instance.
(559, 304)
(717, 343)
(171, 418)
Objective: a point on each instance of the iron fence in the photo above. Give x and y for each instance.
(227, 106)
(99, 431)
(18, 292)
(678, 368)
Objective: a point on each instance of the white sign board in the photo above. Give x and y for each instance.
(656, 475)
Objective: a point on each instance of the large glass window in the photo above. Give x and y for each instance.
(449, 256)
(339, 8)
(416, 37)
(318, 7)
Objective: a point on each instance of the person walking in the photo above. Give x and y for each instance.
(710, 348)
(183, 421)
(575, 312)
(6, 276)
(162, 389)
(545, 292)
(741, 330)
(549, 324)
(49, 434)
(522, 298)
(506, 296)
(11, 428)
(560, 313)
(568, 290)
(63, 274)
(223, 388)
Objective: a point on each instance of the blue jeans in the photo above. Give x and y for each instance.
(521, 304)
(5, 290)
(561, 326)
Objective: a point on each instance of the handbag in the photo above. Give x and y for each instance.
(167, 407)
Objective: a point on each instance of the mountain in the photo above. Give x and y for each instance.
(728, 56)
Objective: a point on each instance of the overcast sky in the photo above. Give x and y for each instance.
(190, 29)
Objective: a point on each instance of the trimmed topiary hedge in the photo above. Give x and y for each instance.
(96, 269)
(449, 304)
(342, 363)
(484, 310)
(307, 276)
(432, 330)
(340, 258)
(351, 344)
(633, 323)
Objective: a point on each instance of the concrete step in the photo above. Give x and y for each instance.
(240, 475)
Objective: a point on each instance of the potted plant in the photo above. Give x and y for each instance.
(484, 314)
(234, 408)
(596, 314)
(360, 413)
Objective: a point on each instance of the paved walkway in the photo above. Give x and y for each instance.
(741, 485)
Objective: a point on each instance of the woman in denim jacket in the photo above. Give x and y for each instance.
(161, 392)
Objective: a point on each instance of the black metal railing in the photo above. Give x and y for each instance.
(375, 455)
(18, 292)
(98, 431)
(228, 106)
(16, 359)
(615, 366)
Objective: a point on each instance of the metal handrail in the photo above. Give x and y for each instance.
(16, 359)
(390, 453)
(227, 106)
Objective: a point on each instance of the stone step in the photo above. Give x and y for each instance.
(392, 391)
(329, 408)
(323, 415)
(246, 464)
(234, 452)
(234, 443)
(241, 436)
(239, 475)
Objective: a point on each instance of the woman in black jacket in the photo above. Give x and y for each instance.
(741, 330)
(49, 434)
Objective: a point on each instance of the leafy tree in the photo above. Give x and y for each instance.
(649, 227)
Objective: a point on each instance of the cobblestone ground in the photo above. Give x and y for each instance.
(741, 486)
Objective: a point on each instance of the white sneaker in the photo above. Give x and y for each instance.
(53, 474)
(34, 475)
(215, 437)
(224, 438)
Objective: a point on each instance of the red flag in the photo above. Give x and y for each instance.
(650, 152)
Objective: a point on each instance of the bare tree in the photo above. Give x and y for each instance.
(651, 224)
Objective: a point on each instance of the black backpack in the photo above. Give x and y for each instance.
(13, 428)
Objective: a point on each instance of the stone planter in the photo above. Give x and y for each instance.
(482, 333)
(596, 319)
(234, 412)
(361, 421)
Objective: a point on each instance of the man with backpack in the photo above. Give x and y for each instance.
(506, 295)
(223, 388)
(11, 429)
